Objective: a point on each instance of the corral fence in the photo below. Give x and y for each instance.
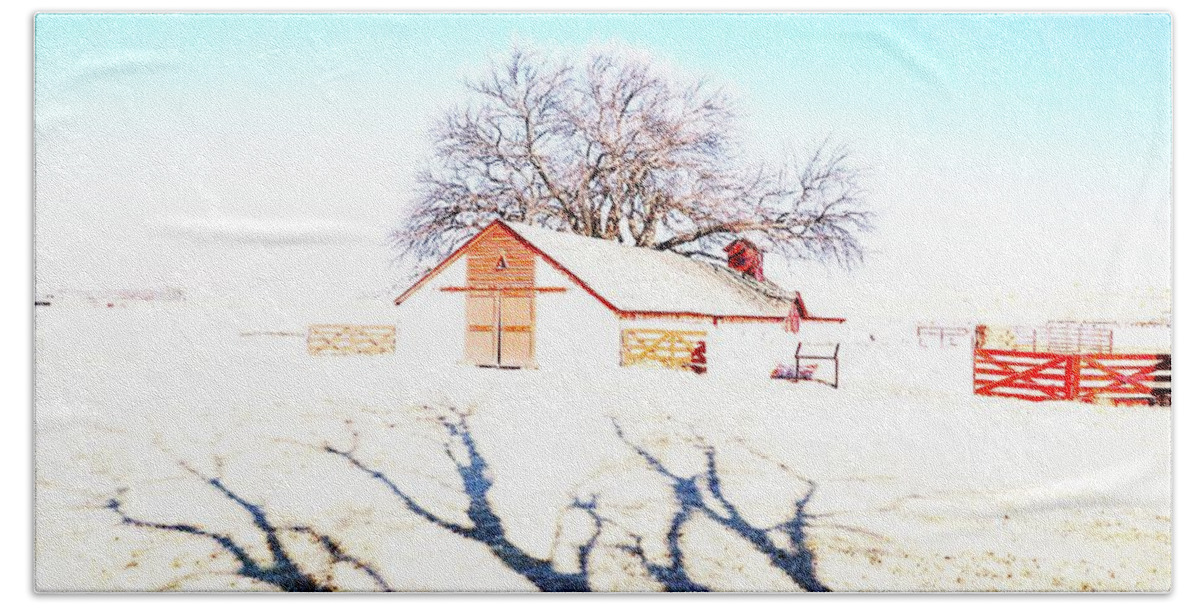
(333, 339)
(939, 336)
(1063, 337)
(1088, 372)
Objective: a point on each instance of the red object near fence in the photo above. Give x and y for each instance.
(1122, 379)
(699, 358)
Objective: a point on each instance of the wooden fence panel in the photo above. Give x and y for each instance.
(1024, 375)
(1121, 379)
(1125, 379)
(664, 348)
(331, 339)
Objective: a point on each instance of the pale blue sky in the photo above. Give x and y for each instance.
(1036, 142)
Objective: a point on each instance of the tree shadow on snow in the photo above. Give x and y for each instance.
(702, 493)
(282, 571)
(696, 496)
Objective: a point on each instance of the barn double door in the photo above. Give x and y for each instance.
(500, 329)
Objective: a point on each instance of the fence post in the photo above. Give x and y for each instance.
(977, 342)
(836, 364)
(1071, 373)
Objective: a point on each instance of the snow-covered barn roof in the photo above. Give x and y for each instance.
(640, 280)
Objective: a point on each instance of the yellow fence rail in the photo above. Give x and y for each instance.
(664, 348)
(351, 339)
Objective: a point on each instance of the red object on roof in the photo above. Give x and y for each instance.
(745, 257)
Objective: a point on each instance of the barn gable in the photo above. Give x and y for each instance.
(499, 260)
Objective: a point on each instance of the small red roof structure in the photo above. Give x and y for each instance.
(745, 257)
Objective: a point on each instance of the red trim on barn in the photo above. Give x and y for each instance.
(805, 316)
(800, 304)
(450, 259)
(624, 314)
(504, 289)
(657, 314)
(651, 314)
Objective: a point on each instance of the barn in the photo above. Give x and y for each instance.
(522, 297)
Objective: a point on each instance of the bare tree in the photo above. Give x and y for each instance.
(612, 149)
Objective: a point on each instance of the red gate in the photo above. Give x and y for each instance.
(1120, 379)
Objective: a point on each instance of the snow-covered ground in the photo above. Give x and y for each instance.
(919, 484)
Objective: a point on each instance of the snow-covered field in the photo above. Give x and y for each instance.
(919, 485)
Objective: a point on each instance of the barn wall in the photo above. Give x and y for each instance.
(823, 333)
(575, 332)
(431, 322)
(749, 349)
(681, 323)
(745, 349)
(755, 349)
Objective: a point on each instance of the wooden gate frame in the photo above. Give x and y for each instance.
(672, 349)
(801, 356)
(337, 339)
(1123, 378)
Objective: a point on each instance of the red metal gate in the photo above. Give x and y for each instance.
(1121, 379)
